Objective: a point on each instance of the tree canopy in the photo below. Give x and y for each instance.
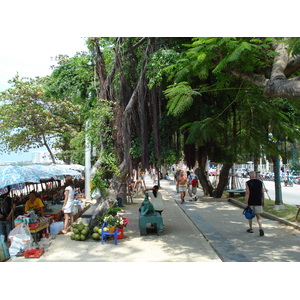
(152, 101)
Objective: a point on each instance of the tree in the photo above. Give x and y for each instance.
(30, 119)
(26, 120)
(72, 81)
(122, 65)
(233, 119)
(269, 63)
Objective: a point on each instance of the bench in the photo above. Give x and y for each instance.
(155, 219)
(242, 192)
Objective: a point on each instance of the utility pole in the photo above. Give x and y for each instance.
(87, 165)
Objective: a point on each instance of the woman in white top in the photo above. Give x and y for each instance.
(156, 199)
(68, 204)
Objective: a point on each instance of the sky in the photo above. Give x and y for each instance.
(32, 56)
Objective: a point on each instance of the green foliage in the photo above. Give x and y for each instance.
(136, 148)
(181, 98)
(100, 118)
(111, 211)
(294, 46)
(227, 116)
(158, 62)
(98, 182)
(28, 120)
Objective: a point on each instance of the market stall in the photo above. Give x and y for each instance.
(48, 184)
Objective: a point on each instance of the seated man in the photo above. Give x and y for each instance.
(35, 203)
(156, 199)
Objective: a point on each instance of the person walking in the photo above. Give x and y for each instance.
(68, 204)
(176, 175)
(192, 185)
(255, 200)
(181, 185)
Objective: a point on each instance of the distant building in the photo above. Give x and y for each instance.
(43, 157)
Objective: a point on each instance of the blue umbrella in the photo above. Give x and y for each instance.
(41, 171)
(66, 170)
(10, 175)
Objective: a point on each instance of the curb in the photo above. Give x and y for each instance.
(266, 215)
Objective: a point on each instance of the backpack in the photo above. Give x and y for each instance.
(194, 182)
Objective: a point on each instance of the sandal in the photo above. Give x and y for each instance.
(62, 232)
(250, 230)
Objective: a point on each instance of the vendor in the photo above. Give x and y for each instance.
(35, 203)
(6, 215)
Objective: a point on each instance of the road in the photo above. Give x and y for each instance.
(290, 195)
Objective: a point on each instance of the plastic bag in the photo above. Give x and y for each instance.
(96, 194)
(4, 253)
(21, 239)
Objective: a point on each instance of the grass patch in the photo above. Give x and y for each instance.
(289, 213)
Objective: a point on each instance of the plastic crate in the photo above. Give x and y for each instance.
(34, 253)
(34, 225)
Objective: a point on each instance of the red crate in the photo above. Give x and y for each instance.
(34, 225)
(34, 253)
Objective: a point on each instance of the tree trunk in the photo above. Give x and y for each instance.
(223, 181)
(48, 148)
(201, 173)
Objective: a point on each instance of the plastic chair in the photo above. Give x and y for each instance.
(105, 233)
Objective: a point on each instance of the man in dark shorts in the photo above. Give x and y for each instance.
(255, 199)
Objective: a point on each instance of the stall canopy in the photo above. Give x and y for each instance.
(12, 175)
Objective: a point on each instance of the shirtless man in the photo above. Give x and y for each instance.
(182, 185)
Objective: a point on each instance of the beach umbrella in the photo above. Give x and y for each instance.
(47, 172)
(42, 174)
(10, 175)
(66, 170)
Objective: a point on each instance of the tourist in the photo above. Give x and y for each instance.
(181, 185)
(255, 200)
(68, 205)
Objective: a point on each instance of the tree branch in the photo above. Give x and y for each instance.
(251, 77)
(279, 85)
(292, 67)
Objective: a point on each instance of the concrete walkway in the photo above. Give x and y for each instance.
(224, 226)
(209, 230)
(182, 242)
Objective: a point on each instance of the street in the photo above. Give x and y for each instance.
(290, 195)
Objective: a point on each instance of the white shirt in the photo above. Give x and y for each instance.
(157, 202)
(71, 193)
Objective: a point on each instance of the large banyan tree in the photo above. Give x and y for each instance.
(121, 66)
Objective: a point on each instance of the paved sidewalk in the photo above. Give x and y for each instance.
(209, 230)
(182, 242)
(224, 226)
